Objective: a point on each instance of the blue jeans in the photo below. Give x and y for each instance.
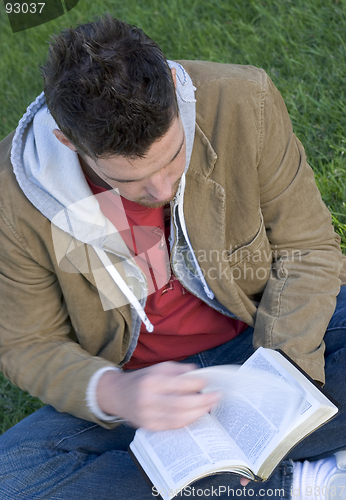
(55, 456)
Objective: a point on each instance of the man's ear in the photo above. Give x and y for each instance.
(174, 76)
(63, 139)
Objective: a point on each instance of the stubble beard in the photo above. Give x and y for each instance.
(149, 204)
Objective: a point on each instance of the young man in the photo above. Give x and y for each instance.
(135, 156)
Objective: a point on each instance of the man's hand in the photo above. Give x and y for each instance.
(157, 398)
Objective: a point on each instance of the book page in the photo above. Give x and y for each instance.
(260, 382)
(182, 454)
(249, 429)
(264, 361)
(178, 452)
(257, 408)
(217, 444)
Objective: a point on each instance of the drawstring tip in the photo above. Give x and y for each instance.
(148, 325)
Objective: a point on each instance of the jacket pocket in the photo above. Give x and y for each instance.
(250, 264)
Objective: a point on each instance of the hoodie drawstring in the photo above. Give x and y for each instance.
(123, 287)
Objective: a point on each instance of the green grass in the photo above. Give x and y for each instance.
(14, 404)
(300, 43)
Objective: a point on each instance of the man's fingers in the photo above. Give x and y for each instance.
(184, 385)
(173, 411)
(169, 378)
(172, 415)
(244, 481)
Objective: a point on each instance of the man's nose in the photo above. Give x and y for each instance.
(161, 186)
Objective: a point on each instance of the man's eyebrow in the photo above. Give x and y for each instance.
(180, 148)
(136, 180)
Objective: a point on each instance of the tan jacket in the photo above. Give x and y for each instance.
(259, 229)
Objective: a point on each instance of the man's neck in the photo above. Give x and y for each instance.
(91, 175)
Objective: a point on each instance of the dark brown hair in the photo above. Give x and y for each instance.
(109, 88)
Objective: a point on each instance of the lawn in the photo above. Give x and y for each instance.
(300, 43)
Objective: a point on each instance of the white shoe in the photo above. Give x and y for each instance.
(336, 486)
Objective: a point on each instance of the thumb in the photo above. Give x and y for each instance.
(244, 481)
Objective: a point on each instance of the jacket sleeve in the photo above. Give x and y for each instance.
(300, 295)
(38, 348)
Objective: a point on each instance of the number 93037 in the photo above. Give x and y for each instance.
(24, 8)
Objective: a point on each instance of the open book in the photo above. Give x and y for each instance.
(268, 406)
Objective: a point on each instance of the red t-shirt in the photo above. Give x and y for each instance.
(183, 324)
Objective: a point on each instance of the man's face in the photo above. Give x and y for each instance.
(151, 181)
